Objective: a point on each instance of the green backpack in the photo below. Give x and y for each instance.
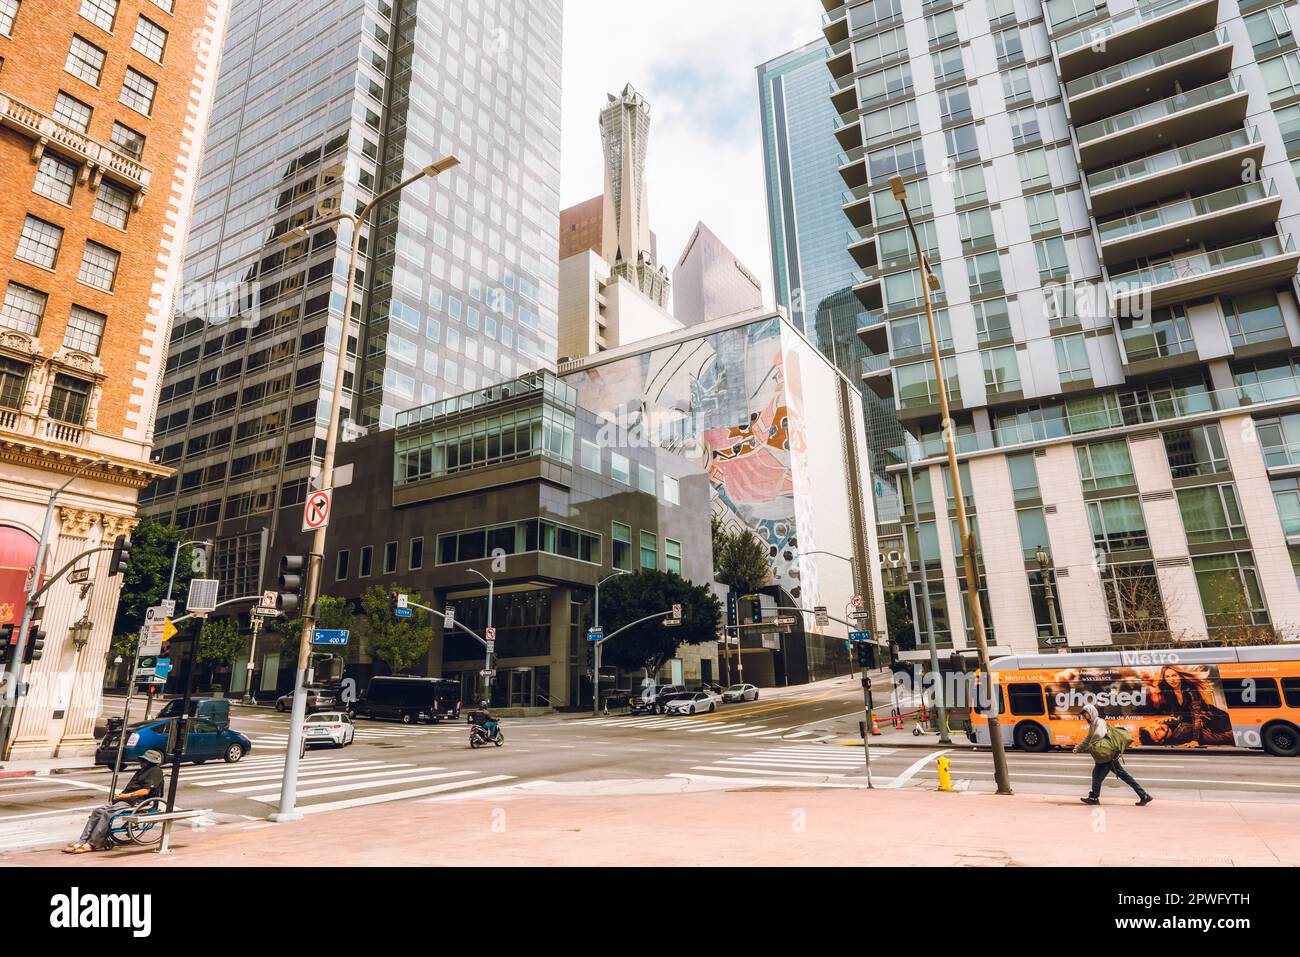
(1113, 744)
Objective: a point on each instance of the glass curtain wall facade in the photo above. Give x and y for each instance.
(321, 107)
(1107, 193)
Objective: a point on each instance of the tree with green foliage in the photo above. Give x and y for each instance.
(220, 641)
(742, 561)
(144, 583)
(399, 642)
(649, 644)
(898, 620)
(332, 613)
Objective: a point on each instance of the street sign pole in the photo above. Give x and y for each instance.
(252, 659)
(866, 725)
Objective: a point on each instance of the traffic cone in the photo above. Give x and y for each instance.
(875, 725)
(923, 715)
(898, 721)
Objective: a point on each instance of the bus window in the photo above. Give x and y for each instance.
(1251, 693)
(1026, 699)
(1291, 692)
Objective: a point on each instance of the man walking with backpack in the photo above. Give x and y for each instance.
(1107, 746)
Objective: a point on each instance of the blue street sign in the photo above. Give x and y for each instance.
(595, 634)
(859, 636)
(329, 636)
(402, 612)
(162, 668)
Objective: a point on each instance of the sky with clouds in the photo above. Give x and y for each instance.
(694, 61)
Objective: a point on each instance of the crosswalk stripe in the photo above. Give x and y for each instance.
(743, 727)
(273, 796)
(402, 795)
(765, 732)
(799, 734)
(770, 763)
(276, 774)
(347, 775)
(801, 774)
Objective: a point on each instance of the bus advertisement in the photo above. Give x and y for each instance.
(1198, 697)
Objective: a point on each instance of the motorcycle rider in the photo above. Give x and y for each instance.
(484, 718)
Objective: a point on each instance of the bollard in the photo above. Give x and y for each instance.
(945, 774)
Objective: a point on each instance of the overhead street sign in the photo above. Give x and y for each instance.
(269, 599)
(316, 510)
(595, 634)
(857, 601)
(490, 634)
(820, 616)
(859, 636)
(677, 611)
(403, 600)
(402, 612)
(329, 636)
(859, 615)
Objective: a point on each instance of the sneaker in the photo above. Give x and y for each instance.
(1145, 800)
(1090, 800)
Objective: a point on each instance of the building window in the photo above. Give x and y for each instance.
(975, 227)
(1199, 450)
(901, 159)
(1286, 496)
(672, 491)
(590, 456)
(138, 91)
(885, 85)
(8, 13)
(415, 555)
(13, 382)
(341, 565)
(1211, 513)
(954, 103)
(101, 13)
(72, 112)
(1133, 599)
(1230, 591)
(962, 143)
(649, 550)
(112, 205)
(672, 556)
(168, 5)
(367, 559)
(1041, 209)
(85, 61)
(23, 309)
(992, 320)
(39, 242)
(619, 468)
(69, 399)
(1255, 317)
(1281, 76)
(98, 266)
(917, 386)
(85, 330)
(150, 39)
(570, 543)
(1015, 85)
(645, 479)
(1105, 465)
(127, 141)
(1117, 523)
(621, 536)
(1033, 169)
(55, 179)
(880, 47)
(942, 28)
(1001, 369)
(390, 558)
(968, 185)
(897, 120)
(1008, 45)
(1072, 359)
(1268, 29)
(948, 66)
(984, 273)
(1024, 478)
(1033, 531)
(1165, 333)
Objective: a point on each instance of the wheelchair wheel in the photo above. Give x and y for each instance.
(145, 833)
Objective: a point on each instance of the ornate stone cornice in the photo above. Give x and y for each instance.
(115, 525)
(34, 454)
(78, 521)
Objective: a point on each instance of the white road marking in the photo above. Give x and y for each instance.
(400, 795)
(910, 771)
(799, 774)
(272, 797)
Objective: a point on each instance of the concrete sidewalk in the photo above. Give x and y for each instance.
(526, 827)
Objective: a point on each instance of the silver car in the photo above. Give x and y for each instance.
(739, 693)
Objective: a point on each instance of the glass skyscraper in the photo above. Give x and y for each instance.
(813, 271)
(319, 107)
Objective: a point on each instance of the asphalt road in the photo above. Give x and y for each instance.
(788, 738)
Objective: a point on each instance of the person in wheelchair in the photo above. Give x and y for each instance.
(144, 784)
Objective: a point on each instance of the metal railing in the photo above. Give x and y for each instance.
(1199, 264)
(1117, 24)
(1170, 106)
(1130, 68)
(1172, 159)
(1184, 209)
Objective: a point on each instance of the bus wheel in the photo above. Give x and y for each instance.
(1282, 740)
(1031, 737)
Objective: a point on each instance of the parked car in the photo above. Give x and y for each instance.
(692, 702)
(329, 727)
(318, 699)
(410, 699)
(204, 742)
(740, 693)
(652, 698)
(216, 710)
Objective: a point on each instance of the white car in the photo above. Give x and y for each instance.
(740, 693)
(329, 727)
(694, 703)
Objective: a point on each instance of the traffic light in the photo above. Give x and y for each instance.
(733, 601)
(866, 654)
(6, 636)
(755, 608)
(121, 556)
(35, 645)
(591, 656)
(290, 596)
(392, 603)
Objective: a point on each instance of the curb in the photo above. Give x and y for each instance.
(17, 774)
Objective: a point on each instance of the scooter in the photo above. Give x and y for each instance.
(479, 736)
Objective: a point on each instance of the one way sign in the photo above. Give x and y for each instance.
(316, 510)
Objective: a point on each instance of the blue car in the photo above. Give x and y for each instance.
(205, 742)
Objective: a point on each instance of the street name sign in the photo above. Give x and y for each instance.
(859, 636)
(595, 634)
(329, 636)
(402, 612)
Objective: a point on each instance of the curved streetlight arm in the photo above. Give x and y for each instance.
(615, 634)
(469, 631)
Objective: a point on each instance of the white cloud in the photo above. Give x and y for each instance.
(694, 61)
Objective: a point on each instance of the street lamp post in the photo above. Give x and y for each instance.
(1044, 559)
(595, 671)
(9, 704)
(489, 646)
(171, 583)
(930, 280)
(289, 785)
(940, 705)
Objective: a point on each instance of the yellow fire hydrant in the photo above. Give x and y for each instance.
(945, 774)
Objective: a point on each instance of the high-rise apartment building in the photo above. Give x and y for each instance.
(812, 269)
(102, 109)
(710, 281)
(1107, 194)
(321, 106)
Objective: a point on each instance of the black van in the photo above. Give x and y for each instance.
(410, 699)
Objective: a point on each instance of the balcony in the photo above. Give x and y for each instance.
(1241, 210)
(869, 291)
(94, 156)
(1129, 35)
(835, 25)
(857, 206)
(872, 330)
(1201, 167)
(1229, 270)
(844, 95)
(1195, 62)
(849, 135)
(839, 59)
(862, 247)
(853, 167)
(878, 376)
(1218, 107)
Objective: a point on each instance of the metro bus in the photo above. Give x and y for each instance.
(1245, 697)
